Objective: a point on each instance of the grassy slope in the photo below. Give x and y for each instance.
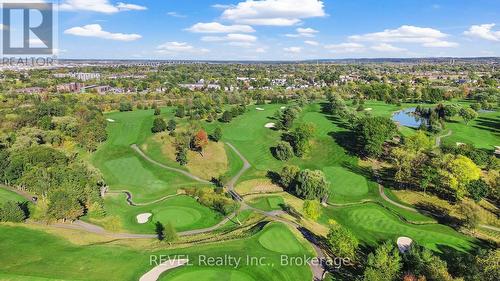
(23, 259)
(183, 212)
(483, 132)
(6, 195)
(373, 224)
(123, 169)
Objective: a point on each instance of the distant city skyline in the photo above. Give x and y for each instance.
(276, 29)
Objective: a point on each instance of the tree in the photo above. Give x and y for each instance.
(489, 267)
(424, 265)
(125, 106)
(288, 176)
(160, 231)
(311, 185)
(181, 156)
(312, 209)
(468, 114)
(170, 234)
(180, 112)
(470, 216)
(217, 134)
(384, 264)
(159, 125)
(157, 111)
(64, 206)
(12, 212)
(172, 125)
(200, 141)
(300, 138)
(372, 132)
(283, 151)
(226, 117)
(478, 189)
(286, 118)
(462, 171)
(341, 241)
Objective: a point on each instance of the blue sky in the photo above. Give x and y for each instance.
(277, 29)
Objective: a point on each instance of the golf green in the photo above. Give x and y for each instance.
(183, 212)
(22, 258)
(372, 224)
(279, 241)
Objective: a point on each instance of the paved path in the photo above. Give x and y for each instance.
(187, 174)
(389, 200)
(132, 203)
(155, 273)
(438, 138)
(28, 196)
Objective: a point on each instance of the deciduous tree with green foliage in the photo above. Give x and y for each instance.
(311, 185)
(384, 264)
(159, 125)
(373, 132)
(341, 241)
(312, 209)
(283, 151)
(12, 212)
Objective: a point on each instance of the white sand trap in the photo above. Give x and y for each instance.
(155, 273)
(283, 107)
(404, 244)
(143, 218)
(260, 109)
(368, 109)
(110, 120)
(270, 125)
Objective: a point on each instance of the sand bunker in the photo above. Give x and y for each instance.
(270, 125)
(404, 244)
(110, 120)
(260, 109)
(155, 273)
(143, 218)
(368, 109)
(283, 107)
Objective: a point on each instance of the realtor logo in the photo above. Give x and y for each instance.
(27, 29)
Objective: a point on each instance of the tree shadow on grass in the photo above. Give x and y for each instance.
(347, 140)
(440, 214)
(488, 124)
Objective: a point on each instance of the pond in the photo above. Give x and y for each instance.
(408, 118)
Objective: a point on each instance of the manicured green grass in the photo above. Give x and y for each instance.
(279, 241)
(7, 195)
(372, 224)
(183, 212)
(483, 132)
(124, 169)
(22, 258)
(268, 203)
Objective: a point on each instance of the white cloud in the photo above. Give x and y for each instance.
(294, 50)
(215, 27)
(130, 7)
(230, 37)
(384, 47)
(303, 32)
(346, 48)
(1, 26)
(233, 39)
(95, 30)
(312, 43)
(428, 37)
(99, 6)
(441, 44)
(483, 31)
(172, 48)
(260, 50)
(176, 15)
(274, 12)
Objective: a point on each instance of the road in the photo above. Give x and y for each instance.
(147, 158)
